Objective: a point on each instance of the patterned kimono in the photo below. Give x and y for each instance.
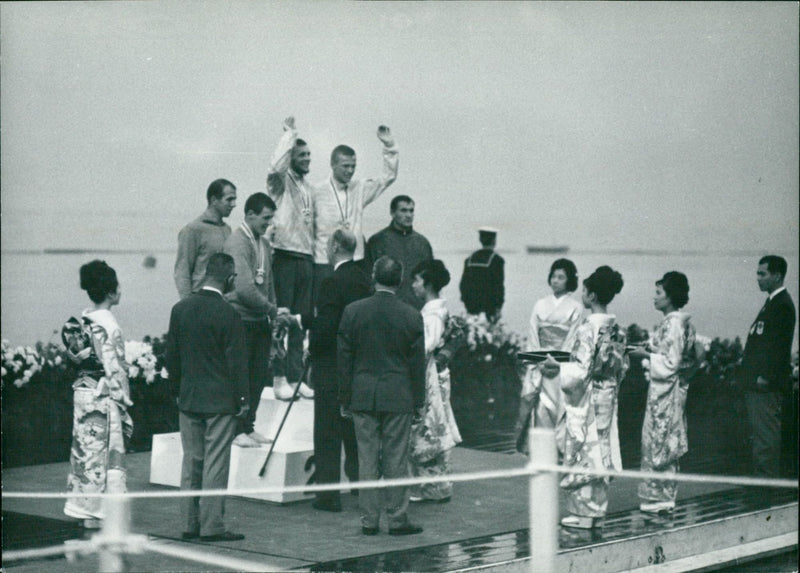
(586, 431)
(101, 398)
(437, 433)
(664, 433)
(553, 324)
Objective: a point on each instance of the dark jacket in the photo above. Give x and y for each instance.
(482, 288)
(206, 355)
(347, 284)
(408, 247)
(381, 356)
(768, 352)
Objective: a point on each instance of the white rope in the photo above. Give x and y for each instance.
(529, 470)
(73, 547)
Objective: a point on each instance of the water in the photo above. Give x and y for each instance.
(40, 291)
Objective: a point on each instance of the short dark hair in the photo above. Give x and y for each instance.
(342, 150)
(387, 272)
(605, 283)
(775, 264)
(433, 272)
(256, 203)
(569, 268)
(217, 189)
(220, 266)
(300, 142)
(397, 200)
(345, 239)
(99, 280)
(676, 287)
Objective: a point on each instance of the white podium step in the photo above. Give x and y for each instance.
(286, 466)
(299, 425)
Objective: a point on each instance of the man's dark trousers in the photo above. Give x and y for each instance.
(258, 337)
(206, 440)
(293, 276)
(331, 431)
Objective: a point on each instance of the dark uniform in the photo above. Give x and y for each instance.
(481, 286)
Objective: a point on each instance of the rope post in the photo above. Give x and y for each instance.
(115, 532)
(543, 502)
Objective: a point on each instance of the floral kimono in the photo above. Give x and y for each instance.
(553, 324)
(100, 418)
(437, 433)
(586, 431)
(664, 433)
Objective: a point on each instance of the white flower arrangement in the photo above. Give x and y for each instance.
(141, 360)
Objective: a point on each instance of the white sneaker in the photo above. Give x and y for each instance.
(282, 389)
(657, 506)
(580, 522)
(245, 441)
(259, 438)
(306, 392)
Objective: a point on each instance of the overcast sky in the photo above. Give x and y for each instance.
(652, 125)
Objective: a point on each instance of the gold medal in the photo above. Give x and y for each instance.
(260, 277)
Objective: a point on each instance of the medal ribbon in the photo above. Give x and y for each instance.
(342, 212)
(257, 247)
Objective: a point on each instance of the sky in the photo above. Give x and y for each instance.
(653, 125)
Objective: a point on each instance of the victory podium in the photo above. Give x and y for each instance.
(288, 466)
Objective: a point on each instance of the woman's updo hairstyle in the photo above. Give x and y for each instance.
(569, 269)
(99, 280)
(605, 283)
(676, 287)
(433, 273)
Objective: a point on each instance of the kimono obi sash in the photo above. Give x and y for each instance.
(552, 335)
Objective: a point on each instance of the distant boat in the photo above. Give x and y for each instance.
(543, 249)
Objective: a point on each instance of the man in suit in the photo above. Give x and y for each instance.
(766, 366)
(347, 284)
(207, 364)
(381, 364)
(482, 288)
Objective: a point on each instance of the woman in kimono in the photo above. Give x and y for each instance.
(554, 320)
(101, 396)
(585, 432)
(671, 354)
(436, 433)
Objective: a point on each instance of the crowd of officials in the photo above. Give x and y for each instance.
(300, 265)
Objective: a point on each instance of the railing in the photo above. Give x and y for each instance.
(115, 539)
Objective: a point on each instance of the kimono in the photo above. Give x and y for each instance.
(100, 417)
(553, 324)
(586, 431)
(437, 433)
(664, 432)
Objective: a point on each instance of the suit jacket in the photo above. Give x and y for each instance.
(768, 352)
(381, 356)
(206, 355)
(347, 284)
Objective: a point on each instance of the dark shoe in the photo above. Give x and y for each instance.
(224, 536)
(327, 505)
(190, 535)
(407, 529)
(369, 530)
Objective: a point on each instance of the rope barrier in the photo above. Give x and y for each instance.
(528, 471)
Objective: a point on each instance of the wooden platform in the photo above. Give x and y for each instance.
(484, 527)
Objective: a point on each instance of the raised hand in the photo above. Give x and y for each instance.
(288, 123)
(385, 135)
